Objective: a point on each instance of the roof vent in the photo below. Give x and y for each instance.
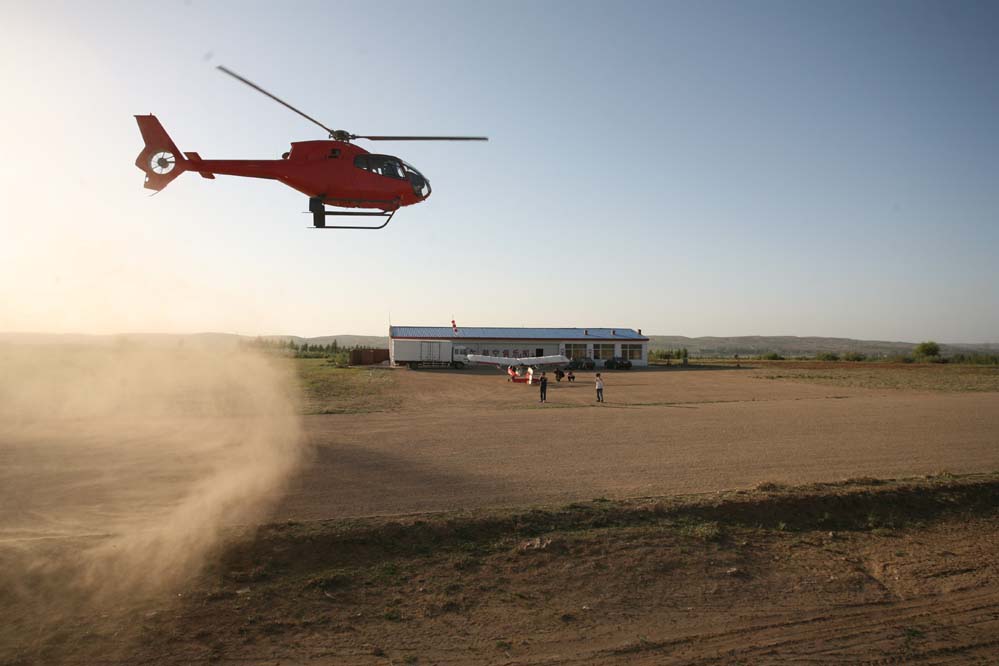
(639, 331)
(613, 331)
(586, 331)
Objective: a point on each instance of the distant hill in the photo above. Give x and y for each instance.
(746, 345)
(375, 341)
(208, 339)
(787, 345)
(211, 339)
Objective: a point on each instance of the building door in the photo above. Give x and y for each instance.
(430, 351)
(539, 352)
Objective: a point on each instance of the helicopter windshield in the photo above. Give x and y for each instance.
(421, 186)
(383, 165)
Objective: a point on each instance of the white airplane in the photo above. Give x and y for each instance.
(521, 370)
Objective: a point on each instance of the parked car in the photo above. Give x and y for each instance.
(617, 363)
(581, 364)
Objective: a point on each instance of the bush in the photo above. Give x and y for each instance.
(928, 349)
(828, 356)
(854, 356)
(772, 356)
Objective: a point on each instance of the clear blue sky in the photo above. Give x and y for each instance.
(694, 168)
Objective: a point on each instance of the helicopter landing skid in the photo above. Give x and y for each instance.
(319, 215)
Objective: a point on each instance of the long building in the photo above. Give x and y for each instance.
(446, 345)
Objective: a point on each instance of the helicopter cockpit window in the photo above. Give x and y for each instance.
(420, 185)
(383, 165)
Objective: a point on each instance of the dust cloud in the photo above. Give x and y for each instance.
(122, 465)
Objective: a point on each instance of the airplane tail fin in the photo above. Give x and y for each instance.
(159, 159)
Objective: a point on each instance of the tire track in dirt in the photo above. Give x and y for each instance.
(844, 637)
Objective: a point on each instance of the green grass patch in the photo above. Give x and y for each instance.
(913, 377)
(327, 389)
(708, 531)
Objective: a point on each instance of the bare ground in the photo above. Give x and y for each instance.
(462, 440)
(631, 554)
(862, 572)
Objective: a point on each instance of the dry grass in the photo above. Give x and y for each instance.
(948, 378)
(327, 389)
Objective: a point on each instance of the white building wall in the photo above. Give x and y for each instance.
(511, 348)
(405, 350)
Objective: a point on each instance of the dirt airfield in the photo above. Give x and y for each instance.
(176, 506)
(461, 440)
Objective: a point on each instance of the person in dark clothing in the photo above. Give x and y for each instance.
(544, 387)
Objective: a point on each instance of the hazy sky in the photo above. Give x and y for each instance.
(694, 168)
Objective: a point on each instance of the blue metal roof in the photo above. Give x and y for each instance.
(501, 333)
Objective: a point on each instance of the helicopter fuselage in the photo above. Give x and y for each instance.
(332, 172)
(339, 173)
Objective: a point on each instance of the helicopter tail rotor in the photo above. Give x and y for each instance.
(159, 159)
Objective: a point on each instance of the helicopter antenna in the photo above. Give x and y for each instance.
(273, 97)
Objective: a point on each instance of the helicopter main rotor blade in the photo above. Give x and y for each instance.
(273, 97)
(420, 138)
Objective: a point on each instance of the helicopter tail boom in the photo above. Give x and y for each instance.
(160, 159)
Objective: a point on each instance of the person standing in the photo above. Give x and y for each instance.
(600, 388)
(544, 388)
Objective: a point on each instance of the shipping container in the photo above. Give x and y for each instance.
(368, 356)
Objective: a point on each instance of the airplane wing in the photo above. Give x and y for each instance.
(498, 361)
(555, 361)
(533, 361)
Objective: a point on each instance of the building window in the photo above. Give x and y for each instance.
(575, 351)
(603, 351)
(632, 352)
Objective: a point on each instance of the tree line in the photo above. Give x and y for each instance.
(332, 350)
(667, 354)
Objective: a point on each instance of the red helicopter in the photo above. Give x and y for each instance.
(331, 173)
